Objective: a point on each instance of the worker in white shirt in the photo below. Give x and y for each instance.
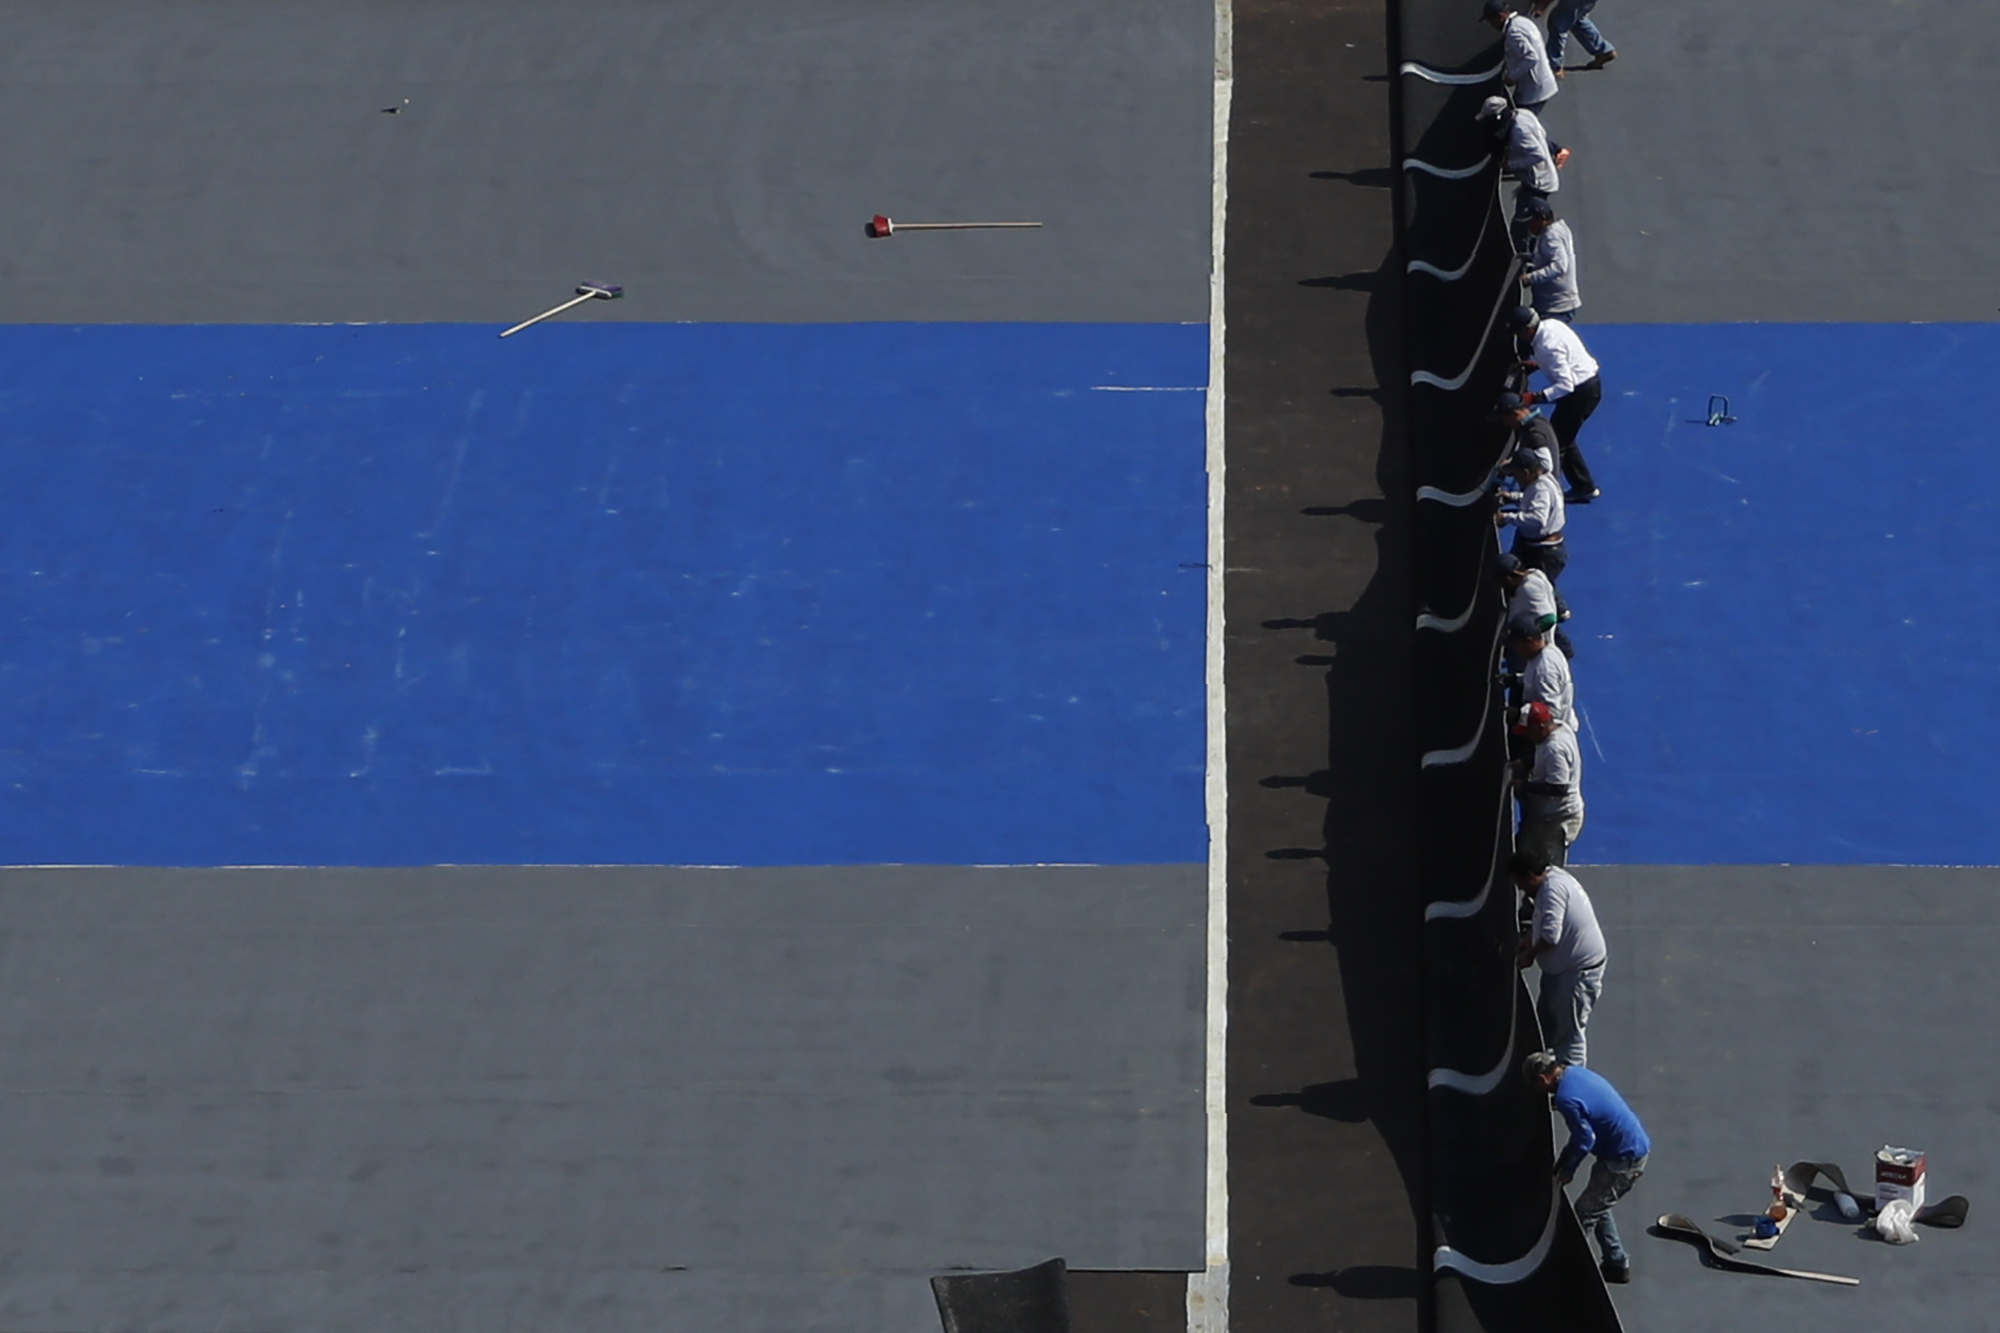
(1550, 786)
(1536, 513)
(1544, 672)
(1533, 161)
(1550, 264)
(1531, 597)
(1524, 56)
(1571, 385)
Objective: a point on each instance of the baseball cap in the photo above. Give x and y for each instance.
(1508, 562)
(1527, 455)
(1522, 318)
(1536, 714)
(1506, 405)
(1536, 207)
(1493, 7)
(1524, 627)
(1492, 108)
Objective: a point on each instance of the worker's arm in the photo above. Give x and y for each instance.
(1582, 1138)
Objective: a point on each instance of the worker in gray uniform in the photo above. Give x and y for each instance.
(1536, 513)
(1550, 785)
(1564, 941)
(1543, 671)
(1525, 149)
(1531, 598)
(1550, 263)
(1524, 56)
(1571, 384)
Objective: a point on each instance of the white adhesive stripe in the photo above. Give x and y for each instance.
(1455, 911)
(1456, 499)
(1419, 266)
(1429, 75)
(1452, 626)
(1459, 754)
(1478, 1085)
(1149, 388)
(1464, 752)
(1500, 1275)
(1447, 173)
(1507, 289)
(1208, 1290)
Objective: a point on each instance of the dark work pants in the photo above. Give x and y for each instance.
(1551, 560)
(1572, 410)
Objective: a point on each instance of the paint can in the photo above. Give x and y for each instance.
(1899, 1174)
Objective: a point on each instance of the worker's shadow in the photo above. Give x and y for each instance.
(1367, 1282)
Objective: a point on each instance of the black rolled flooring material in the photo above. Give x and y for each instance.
(230, 162)
(589, 1098)
(1325, 1039)
(1759, 1015)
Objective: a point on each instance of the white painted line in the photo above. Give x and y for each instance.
(1149, 388)
(1457, 501)
(1478, 1085)
(1500, 1275)
(1447, 173)
(1508, 290)
(1208, 1290)
(1429, 75)
(1428, 621)
(1464, 752)
(1419, 266)
(1447, 910)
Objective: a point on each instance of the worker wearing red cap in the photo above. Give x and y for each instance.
(1550, 787)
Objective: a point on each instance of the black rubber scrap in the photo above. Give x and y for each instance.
(1719, 1253)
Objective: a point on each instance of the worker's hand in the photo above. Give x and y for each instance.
(1564, 1177)
(1562, 156)
(1530, 366)
(1529, 397)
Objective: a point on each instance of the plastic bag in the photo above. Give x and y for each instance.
(1893, 1223)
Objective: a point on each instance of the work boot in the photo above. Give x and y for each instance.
(1617, 1274)
(1600, 61)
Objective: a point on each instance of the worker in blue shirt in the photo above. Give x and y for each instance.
(1600, 1125)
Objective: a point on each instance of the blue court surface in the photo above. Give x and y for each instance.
(1789, 628)
(624, 593)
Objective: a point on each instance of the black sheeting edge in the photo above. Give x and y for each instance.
(1490, 1153)
(1028, 1300)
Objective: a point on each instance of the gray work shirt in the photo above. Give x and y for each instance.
(1525, 61)
(1534, 600)
(1552, 271)
(1565, 918)
(1528, 155)
(1545, 679)
(1558, 770)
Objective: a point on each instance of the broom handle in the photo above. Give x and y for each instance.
(578, 300)
(958, 226)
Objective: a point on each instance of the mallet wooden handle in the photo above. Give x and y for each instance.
(575, 300)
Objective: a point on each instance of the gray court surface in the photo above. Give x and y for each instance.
(1760, 1015)
(230, 161)
(589, 1099)
(1786, 161)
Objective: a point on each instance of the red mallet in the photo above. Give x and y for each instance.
(881, 228)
